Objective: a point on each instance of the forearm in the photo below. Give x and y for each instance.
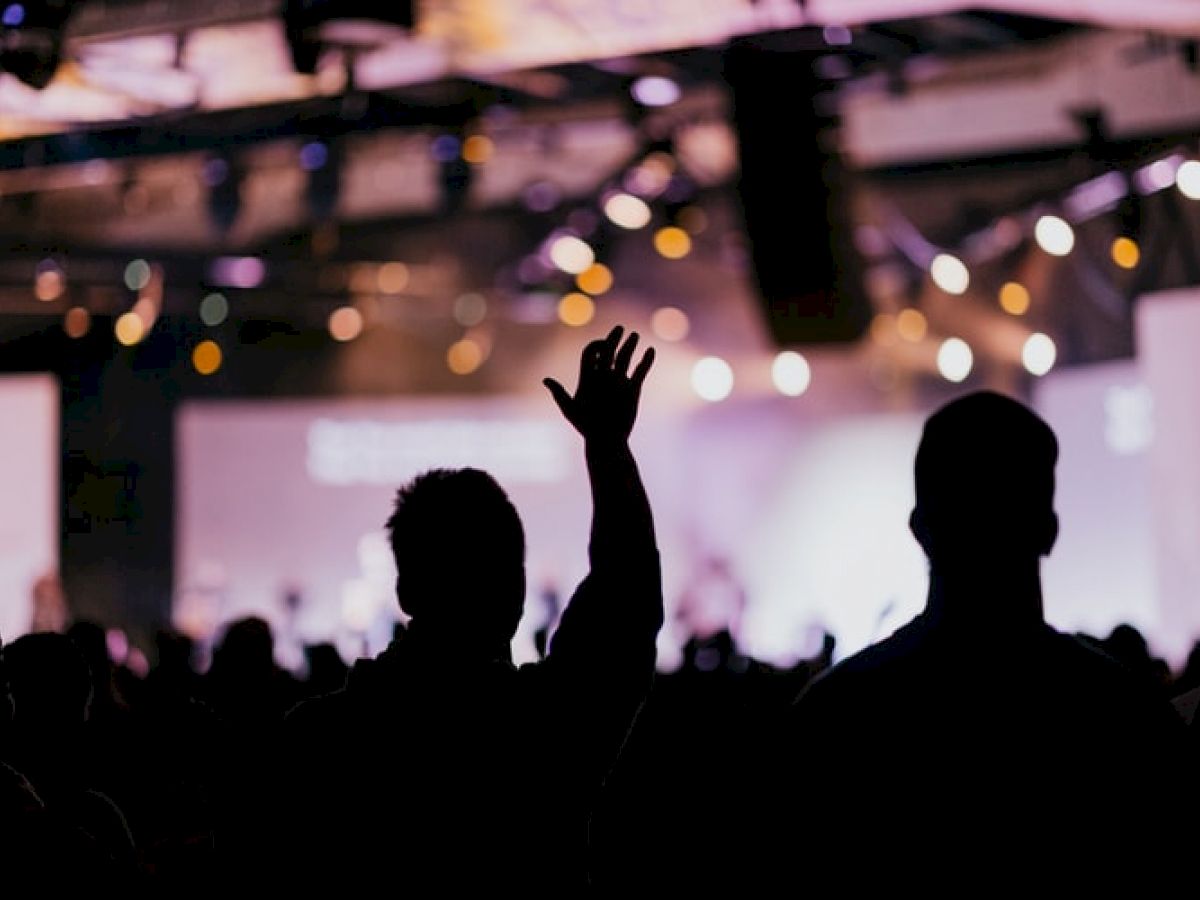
(622, 523)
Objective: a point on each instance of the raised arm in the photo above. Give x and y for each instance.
(603, 410)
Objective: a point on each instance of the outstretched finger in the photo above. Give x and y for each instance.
(560, 395)
(609, 349)
(643, 368)
(625, 354)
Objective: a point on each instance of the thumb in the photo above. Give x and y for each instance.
(560, 395)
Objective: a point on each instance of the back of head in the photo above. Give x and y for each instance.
(985, 482)
(460, 554)
(50, 682)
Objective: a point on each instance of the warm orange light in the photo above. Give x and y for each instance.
(345, 323)
(883, 329)
(207, 357)
(1126, 253)
(77, 322)
(911, 325)
(596, 279)
(672, 242)
(478, 149)
(129, 329)
(576, 309)
(464, 357)
(1014, 298)
(393, 277)
(49, 285)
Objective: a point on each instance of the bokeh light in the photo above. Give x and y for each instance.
(1039, 354)
(576, 309)
(571, 254)
(214, 309)
(1126, 253)
(464, 357)
(912, 325)
(712, 379)
(950, 273)
(470, 309)
(49, 285)
(137, 274)
(595, 280)
(77, 322)
(1014, 298)
(1054, 235)
(345, 323)
(654, 90)
(791, 373)
(1187, 179)
(955, 359)
(478, 149)
(627, 211)
(392, 277)
(672, 242)
(207, 357)
(129, 329)
(670, 324)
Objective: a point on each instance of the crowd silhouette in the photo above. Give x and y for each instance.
(976, 739)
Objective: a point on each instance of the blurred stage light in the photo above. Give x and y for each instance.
(77, 322)
(1161, 173)
(627, 211)
(571, 254)
(464, 357)
(712, 379)
(1187, 179)
(791, 373)
(541, 196)
(837, 35)
(14, 15)
(950, 274)
(672, 242)
(478, 149)
(597, 279)
(345, 323)
(884, 329)
(654, 90)
(1038, 354)
(470, 309)
(207, 357)
(1126, 253)
(445, 148)
(912, 325)
(237, 271)
(213, 309)
(1014, 298)
(129, 329)
(670, 324)
(49, 284)
(576, 309)
(313, 156)
(392, 277)
(955, 359)
(1054, 235)
(137, 275)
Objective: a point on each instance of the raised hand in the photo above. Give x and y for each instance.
(605, 404)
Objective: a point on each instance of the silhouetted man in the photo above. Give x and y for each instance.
(442, 766)
(977, 733)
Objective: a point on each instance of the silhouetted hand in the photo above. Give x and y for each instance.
(605, 404)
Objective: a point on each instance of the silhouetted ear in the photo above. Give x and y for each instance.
(916, 524)
(1050, 535)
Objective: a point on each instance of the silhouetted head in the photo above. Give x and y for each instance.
(247, 649)
(985, 483)
(460, 557)
(50, 682)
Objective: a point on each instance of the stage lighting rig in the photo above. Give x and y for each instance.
(31, 38)
(307, 22)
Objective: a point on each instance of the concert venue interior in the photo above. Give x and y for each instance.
(264, 262)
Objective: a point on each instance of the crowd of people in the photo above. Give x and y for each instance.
(976, 739)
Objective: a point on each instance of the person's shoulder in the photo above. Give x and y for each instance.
(866, 671)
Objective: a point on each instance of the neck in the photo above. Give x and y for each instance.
(996, 595)
(454, 645)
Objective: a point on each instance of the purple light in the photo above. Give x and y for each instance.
(541, 196)
(654, 90)
(238, 271)
(445, 148)
(313, 156)
(216, 170)
(837, 35)
(14, 15)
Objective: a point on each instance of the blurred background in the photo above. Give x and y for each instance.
(264, 261)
